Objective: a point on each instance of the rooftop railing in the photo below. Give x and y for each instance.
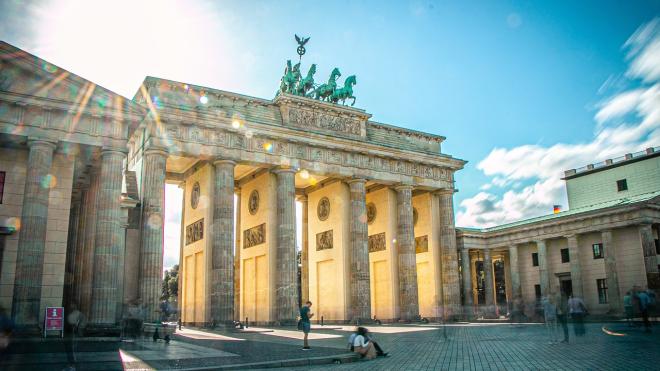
(612, 161)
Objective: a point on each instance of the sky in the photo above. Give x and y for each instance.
(522, 90)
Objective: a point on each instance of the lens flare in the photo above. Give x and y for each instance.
(203, 99)
(268, 146)
(235, 124)
(304, 174)
(154, 221)
(14, 223)
(48, 181)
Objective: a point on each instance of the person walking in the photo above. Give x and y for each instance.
(550, 315)
(644, 302)
(562, 316)
(305, 325)
(577, 310)
(628, 307)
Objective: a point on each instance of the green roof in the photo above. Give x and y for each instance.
(603, 205)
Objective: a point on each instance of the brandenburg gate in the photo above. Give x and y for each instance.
(378, 233)
(377, 222)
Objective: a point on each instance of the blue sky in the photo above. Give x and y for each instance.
(522, 90)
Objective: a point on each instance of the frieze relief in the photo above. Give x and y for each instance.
(421, 244)
(324, 240)
(306, 119)
(195, 232)
(254, 236)
(377, 242)
(307, 152)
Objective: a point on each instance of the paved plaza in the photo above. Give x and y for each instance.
(461, 346)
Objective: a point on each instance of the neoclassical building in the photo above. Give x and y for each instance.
(83, 172)
(605, 244)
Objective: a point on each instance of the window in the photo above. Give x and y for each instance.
(537, 292)
(565, 257)
(2, 184)
(621, 185)
(598, 250)
(602, 290)
(535, 259)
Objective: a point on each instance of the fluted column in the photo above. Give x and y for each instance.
(451, 290)
(576, 270)
(467, 281)
(405, 240)
(514, 269)
(544, 278)
(359, 253)
(650, 256)
(32, 235)
(182, 239)
(286, 270)
(237, 257)
(488, 283)
(304, 255)
(222, 254)
(90, 238)
(613, 296)
(151, 246)
(108, 241)
(72, 245)
(80, 250)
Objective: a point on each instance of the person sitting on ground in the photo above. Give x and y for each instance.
(362, 345)
(370, 338)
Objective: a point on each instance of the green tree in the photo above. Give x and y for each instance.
(170, 287)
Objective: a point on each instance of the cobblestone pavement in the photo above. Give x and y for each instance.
(610, 346)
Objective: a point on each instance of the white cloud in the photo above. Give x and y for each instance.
(544, 166)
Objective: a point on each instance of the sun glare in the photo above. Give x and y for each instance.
(118, 43)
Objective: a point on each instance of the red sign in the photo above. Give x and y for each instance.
(54, 318)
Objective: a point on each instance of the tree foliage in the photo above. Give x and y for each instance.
(170, 288)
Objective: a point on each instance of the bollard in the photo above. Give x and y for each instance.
(321, 320)
(180, 323)
(246, 322)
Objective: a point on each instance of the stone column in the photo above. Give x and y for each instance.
(359, 253)
(407, 264)
(151, 245)
(182, 239)
(32, 235)
(304, 255)
(90, 243)
(613, 296)
(514, 269)
(576, 271)
(650, 256)
(222, 253)
(237, 257)
(109, 251)
(286, 269)
(451, 291)
(468, 293)
(488, 283)
(544, 278)
(80, 247)
(72, 244)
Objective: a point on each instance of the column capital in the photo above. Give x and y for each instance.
(223, 161)
(301, 198)
(156, 151)
(41, 142)
(115, 151)
(356, 180)
(444, 191)
(540, 241)
(283, 169)
(403, 187)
